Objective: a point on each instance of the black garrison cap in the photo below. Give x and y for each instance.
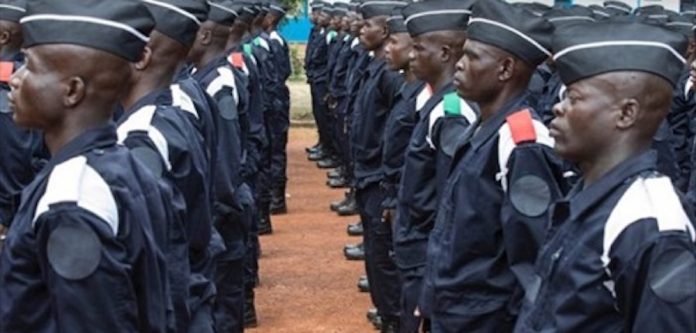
(395, 22)
(538, 9)
(247, 11)
(12, 10)
(340, 9)
(575, 14)
(586, 50)
(682, 23)
(617, 8)
(373, 8)
(83, 22)
(317, 4)
(512, 29)
(277, 8)
(688, 9)
(437, 15)
(222, 12)
(178, 19)
(599, 12)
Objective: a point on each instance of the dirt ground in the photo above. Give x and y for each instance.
(307, 285)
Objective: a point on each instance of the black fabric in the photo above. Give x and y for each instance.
(576, 64)
(375, 8)
(437, 15)
(66, 29)
(575, 14)
(178, 19)
(12, 10)
(396, 22)
(512, 29)
(223, 12)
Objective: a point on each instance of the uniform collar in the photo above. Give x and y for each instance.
(490, 128)
(410, 89)
(376, 65)
(150, 99)
(582, 199)
(96, 138)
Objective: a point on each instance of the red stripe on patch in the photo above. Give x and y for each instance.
(6, 70)
(522, 126)
(237, 59)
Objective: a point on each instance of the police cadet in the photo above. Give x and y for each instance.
(622, 255)
(21, 148)
(338, 100)
(438, 30)
(280, 123)
(372, 106)
(491, 218)
(397, 134)
(81, 255)
(315, 33)
(234, 202)
(162, 137)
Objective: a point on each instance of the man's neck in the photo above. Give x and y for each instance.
(607, 158)
(505, 95)
(445, 77)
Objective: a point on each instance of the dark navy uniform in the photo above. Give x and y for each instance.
(233, 198)
(317, 75)
(427, 162)
(163, 139)
(339, 93)
(83, 240)
(22, 151)
(622, 258)
(491, 222)
(281, 120)
(681, 124)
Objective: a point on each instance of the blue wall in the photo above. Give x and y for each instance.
(296, 28)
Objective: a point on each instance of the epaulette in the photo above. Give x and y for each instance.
(452, 105)
(247, 48)
(522, 126)
(6, 70)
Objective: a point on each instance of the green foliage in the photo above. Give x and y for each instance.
(295, 6)
(297, 61)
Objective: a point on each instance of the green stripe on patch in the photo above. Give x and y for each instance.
(332, 35)
(452, 105)
(247, 49)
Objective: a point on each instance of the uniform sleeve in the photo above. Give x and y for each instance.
(534, 181)
(656, 286)
(679, 120)
(91, 275)
(257, 140)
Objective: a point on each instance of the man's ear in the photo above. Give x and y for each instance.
(75, 91)
(506, 68)
(629, 112)
(206, 36)
(145, 59)
(5, 37)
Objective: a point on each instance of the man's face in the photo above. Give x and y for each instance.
(356, 25)
(476, 78)
(335, 23)
(36, 94)
(584, 118)
(372, 33)
(424, 57)
(345, 23)
(323, 19)
(397, 50)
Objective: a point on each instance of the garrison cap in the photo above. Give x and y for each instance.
(277, 8)
(178, 19)
(586, 50)
(395, 22)
(575, 14)
(373, 8)
(12, 10)
(263, 6)
(512, 29)
(437, 15)
(340, 9)
(538, 9)
(599, 12)
(617, 8)
(247, 11)
(317, 5)
(85, 22)
(688, 9)
(682, 23)
(222, 12)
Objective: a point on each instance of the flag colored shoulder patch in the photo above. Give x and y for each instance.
(522, 126)
(452, 105)
(236, 59)
(247, 49)
(6, 70)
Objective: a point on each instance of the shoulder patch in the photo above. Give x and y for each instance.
(6, 70)
(74, 181)
(423, 97)
(647, 198)
(73, 250)
(141, 120)
(248, 49)
(522, 127)
(225, 79)
(182, 100)
(276, 36)
(451, 106)
(236, 59)
(687, 87)
(672, 276)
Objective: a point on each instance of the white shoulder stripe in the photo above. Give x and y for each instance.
(687, 87)
(224, 79)
(182, 100)
(439, 112)
(646, 198)
(75, 181)
(276, 36)
(506, 144)
(141, 120)
(423, 98)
